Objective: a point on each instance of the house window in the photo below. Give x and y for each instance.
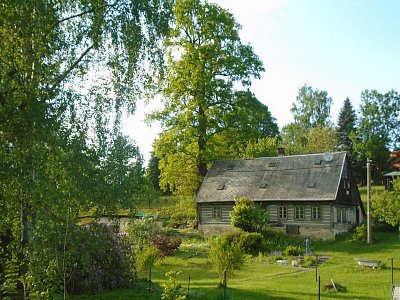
(316, 213)
(282, 212)
(216, 212)
(299, 212)
(341, 215)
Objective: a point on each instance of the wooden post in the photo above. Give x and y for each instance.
(319, 287)
(225, 285)
(316, 267)
(187, 297)
(369, 237)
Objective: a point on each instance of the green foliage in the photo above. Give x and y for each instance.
(247, 216)
(346, 124)
(208, 113)
(360, 234)
(172, 290)
(141, 230)
(386, 205)
(252, 243)
(377, 127)
(292, 250)
(180, 215)
(225, 255)
(312, 108)
(145, 257)
(298, 140)
(263, 147)
(78, 260)
(308, 261)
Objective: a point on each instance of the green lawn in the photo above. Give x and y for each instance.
(259, 280)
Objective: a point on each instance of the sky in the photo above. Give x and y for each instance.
(340, 46)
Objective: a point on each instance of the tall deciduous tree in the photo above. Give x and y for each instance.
(346, 124)
(67, 69)
(377, 127)
(207, 64)
(312, 108)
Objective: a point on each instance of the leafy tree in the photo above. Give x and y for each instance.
(225, 256)
(312, 108)
(58, 121)
(207, 65)
(346, 124)
(247, 216)
(386, 205)
(377, 127)
(263, 147)
(321, 139)
(316, 140)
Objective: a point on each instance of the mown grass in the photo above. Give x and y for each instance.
(258, 280)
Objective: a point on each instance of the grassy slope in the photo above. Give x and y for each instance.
(266, 281)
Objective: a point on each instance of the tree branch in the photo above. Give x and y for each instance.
(71, 68)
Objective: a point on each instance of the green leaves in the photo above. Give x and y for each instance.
(208, 111)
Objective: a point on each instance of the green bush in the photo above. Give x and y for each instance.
(360, 234)
(292, 251)
(225, 255)
(248, 216)
(252, 243)
(308, 261)
(172, 290)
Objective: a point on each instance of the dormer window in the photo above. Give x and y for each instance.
(318, 162)
(272, 164)
(312, 185)
(263, 185)
(221, 186)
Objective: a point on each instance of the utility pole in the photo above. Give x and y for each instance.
(369, 237)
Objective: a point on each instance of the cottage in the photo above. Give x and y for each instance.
(313, 194)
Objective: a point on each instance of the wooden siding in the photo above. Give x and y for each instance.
(324, 222)
(207, 209)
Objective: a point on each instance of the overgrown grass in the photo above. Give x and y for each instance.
(260, 280)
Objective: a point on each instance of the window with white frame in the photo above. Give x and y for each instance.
(316, 213)
(282, 212)
(299, 212)
(216, 212)
(341, 215)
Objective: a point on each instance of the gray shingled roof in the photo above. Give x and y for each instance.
(313, 177)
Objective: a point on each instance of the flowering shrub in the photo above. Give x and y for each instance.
(78, 259)
(106, 261)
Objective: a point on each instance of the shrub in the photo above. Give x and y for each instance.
(360, 234)
(225, 256)
(248, 216)
(252, 243)
(146, 257)
(292, 251)
(166, 245)
(172, 290)
(308, 261)
(88, 259)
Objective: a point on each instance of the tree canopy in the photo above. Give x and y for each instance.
(208, 110)
(67, 69)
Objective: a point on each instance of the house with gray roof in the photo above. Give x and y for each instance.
(313, 194)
